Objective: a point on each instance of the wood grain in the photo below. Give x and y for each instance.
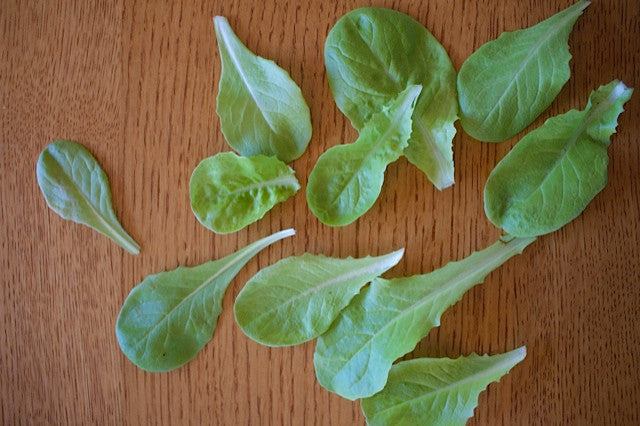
(135, 81)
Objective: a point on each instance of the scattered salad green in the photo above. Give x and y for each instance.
(230, 192)
(75, 186)
(436, 391)
(169, 317)
(373, 54)
(347, 179)
(508, 82)
(261, 108)
(551, 175)
(396, 84)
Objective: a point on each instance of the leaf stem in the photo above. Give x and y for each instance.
(126, 241)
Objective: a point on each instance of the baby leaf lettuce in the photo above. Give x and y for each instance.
(436, 391)
(505, 84)
(261, 109)
(387, 319)
(373, 54)
(297, 298)
(75, 186)
(169, 317)
(551, 175)
(229, 192)
(347, 179)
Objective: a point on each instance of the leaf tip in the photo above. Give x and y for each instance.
(620, 90)
(414, 91)
(283, 234)
(582, 4)
(519, 354)
(577, 8)
(220, 24)
(289, 232)
(395, 256)
(446, 180)
(134, 249)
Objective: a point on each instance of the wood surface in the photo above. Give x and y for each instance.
(136, 81)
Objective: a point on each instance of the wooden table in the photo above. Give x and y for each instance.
(135, 81)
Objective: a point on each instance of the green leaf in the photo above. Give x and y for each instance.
(347, 179)
(261, 108)
(551, 175)
(505, 84)
(436, 391)
(75, 186)
(372, 55)
(169, 317)
(387, 320)
(230, 192)
(297, 298)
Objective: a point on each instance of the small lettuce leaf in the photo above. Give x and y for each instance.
(551, 175)
(296, 299)
(169, 317)
(507, 83)
(387, 319)
(229, 192)
(75, 186)
(373, 54)
(436, 391)
(261, 108)
(347, 179)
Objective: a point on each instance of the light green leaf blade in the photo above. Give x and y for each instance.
(436, 391)
(296, 299)
(347, 179)
(229, 192)
(373, 54)
(261, 109)
(387, 319)
(75, 186)
(551, 175)
(507, 83)
(169, 317)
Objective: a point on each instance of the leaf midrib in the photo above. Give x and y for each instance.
(111, 231)
(279, 181)
(224, 28)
